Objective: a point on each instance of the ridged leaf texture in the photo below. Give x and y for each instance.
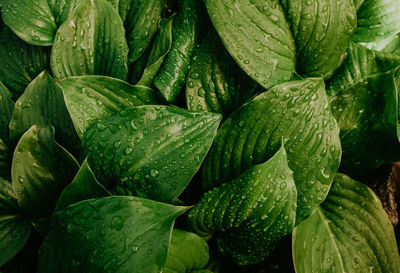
(6, 109)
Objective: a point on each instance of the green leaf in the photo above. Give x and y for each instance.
(40, 170)
(322, 31)
(250, 214)
(161, 46)
(21, 62)
(172, 74)
(150, 151)
(297, 112)
(117, 234)
(8, 201)
(84, 186)
(90, 42)
(187, 252)
(90, 99)
(40, 104)
(367, 115)
(350, 232)
(141, 25)
(215, 82)
(377, 20)
(6, 108)
(390, 45)
(257, 36)
(31, 20)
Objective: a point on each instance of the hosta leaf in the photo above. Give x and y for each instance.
(377, 20)
(187, 252)
(150, 151)
(215, 82)
(31, 20)
(84, 186)
(161, 46)
(367, 115)
(21, 62)
(6, 108)
(172, 74)
(117, 234)
(390, 45)
(317, 27)
(350, 232)
(93, 98)
(257, 36)
(141, 25)
(8, 201)
(297, 112)
(40, 104)
(40, 170)
(90, 42)
(250, 214)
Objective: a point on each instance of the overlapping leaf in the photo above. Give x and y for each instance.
(6, 108)
(350, 232)
(390, 45)
(297, 112)
(250, 214)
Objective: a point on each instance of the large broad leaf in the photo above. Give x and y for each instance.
(297, 112)
(161, 46)
(172, 74)
(215, 82)
(6, 108)
(258, 37)
(40, 104)
(21, 62)
(141, 25)
(390, 45)
(84, 186)
(187, 252)
(118, 234)
(367, 115)
(322, 30)
(350, 232)
(377, 20)
(31, 20)
(150, 151)
(90, 42)
(250, 214)
(90, 99)
(40, 170)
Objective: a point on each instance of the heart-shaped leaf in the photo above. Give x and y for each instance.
(90, 42)
(90, 99)
(172, 74)
(297, 112)
(117, 234)
(252, 213)
(40, 104)
(187, 252)
(215, 82)
(40, 170)
(21, 62)
(6, 108)
(31, 20)
(350, 232)
(150, 151)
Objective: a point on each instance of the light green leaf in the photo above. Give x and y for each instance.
(161, 46)
(6, 108)
(377, 20)
(250, 214)
(257, 36)
(40, 170)
(297, 112)
(40, 104)
(118, 234)
(390, 45)
(172, 74)
(215, 82)
(31, 20)
(150, 151)
(90, 99)
(84, 186)
(350, 232)
(90, 42)
(21, 62)
(187, 252)
(141, 25)
(367, 115)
